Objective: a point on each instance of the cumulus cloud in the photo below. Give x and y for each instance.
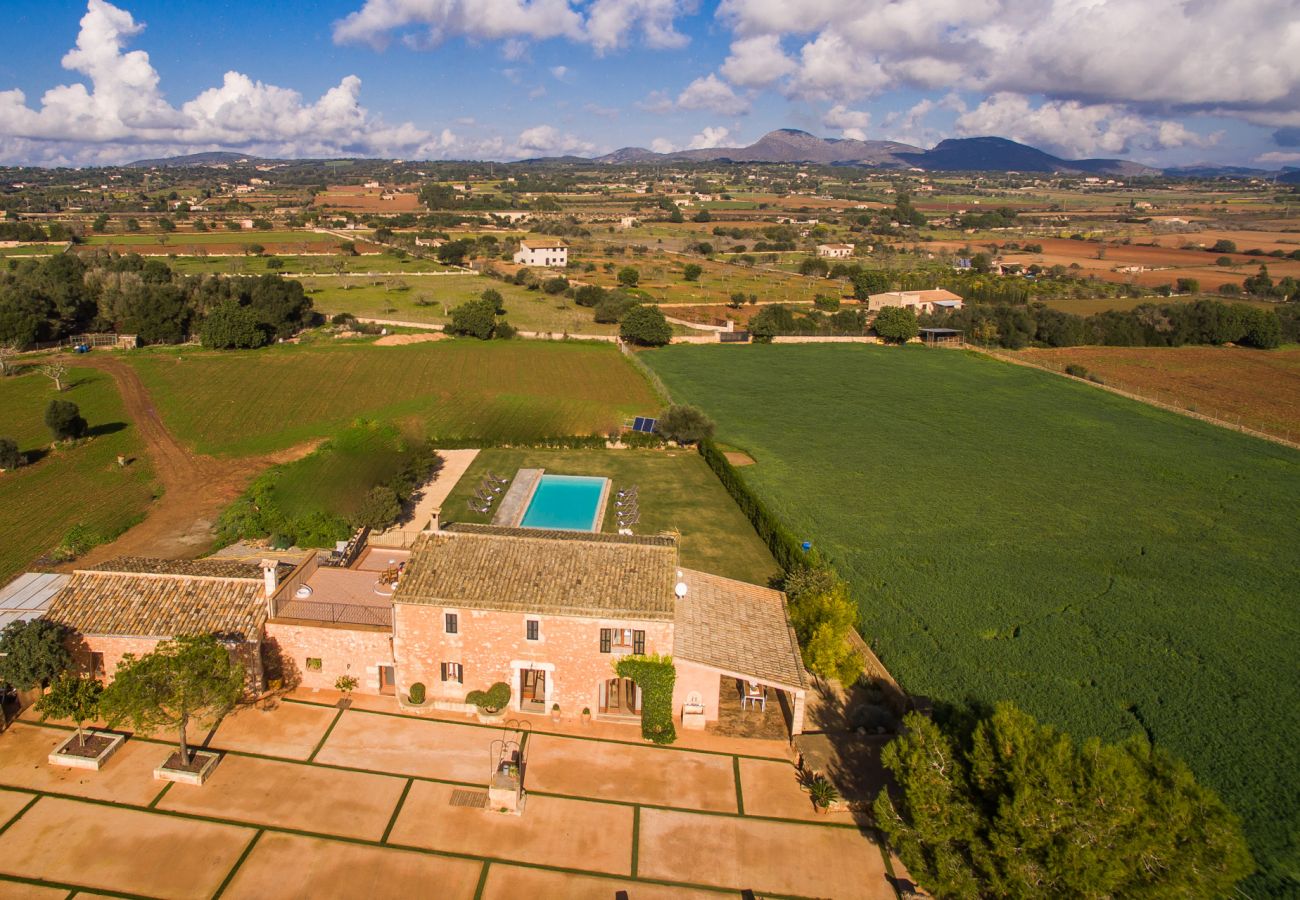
(714, 94)
(1148, 55)
(124, 111)
(1282, 157)
(850, 123)
(709, 138)
(1075, 129)
(547, 140)
(604, 24)
(662, 145)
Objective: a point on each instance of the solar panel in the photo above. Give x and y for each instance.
(644, 424)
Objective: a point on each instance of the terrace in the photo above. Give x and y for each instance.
(358, 595)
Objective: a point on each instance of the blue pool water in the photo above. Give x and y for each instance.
(570, 502)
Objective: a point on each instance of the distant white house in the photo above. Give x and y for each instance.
(627, 222)
(835, 251)
(917, 301)
(548, 254)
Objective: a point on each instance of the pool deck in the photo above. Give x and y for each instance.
(510, 512)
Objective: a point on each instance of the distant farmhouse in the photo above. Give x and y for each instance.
(835, 251)
(918, 301)
(547, 254)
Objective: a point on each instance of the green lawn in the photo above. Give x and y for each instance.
(429, 299)
(247, 402)
(1113, 568)
(67, 487)
(329, 265)
(676, 491)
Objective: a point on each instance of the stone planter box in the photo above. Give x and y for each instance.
(206, 761)
(63, 757)
(490, 718)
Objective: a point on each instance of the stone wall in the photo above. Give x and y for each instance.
(491, 646)
(114, 648)
(355, 650)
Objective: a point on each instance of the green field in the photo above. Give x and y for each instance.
(215, 236)
(67, 487)
(675, 489)
(1013, 534)
(257, 401)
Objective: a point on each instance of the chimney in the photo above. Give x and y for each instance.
(270, 575)
(434, 520)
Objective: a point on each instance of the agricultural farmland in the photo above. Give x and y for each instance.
(63, 488)
(1114, 568)
(248, 402)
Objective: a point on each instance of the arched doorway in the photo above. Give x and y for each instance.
(620, 697)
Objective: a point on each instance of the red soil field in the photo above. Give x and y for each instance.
(1255, 388)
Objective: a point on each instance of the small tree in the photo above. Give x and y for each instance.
(629, 277)
(692, 272)
(33, 653)
(231, 326)
(380, 508)
(685, 424)
(10, 456)
(73, 697)
(1012, 808)
(897, 324)
(645, 325)
(189, 678)
(493, 296)
(823, 614)
(476, 318)
(56, 372)
(64, 420)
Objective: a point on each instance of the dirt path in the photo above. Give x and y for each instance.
(180, 524)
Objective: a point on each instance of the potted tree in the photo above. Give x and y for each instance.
(187, 679)
(555, 713)
(76, 698)
(345, 684)
(586, 715)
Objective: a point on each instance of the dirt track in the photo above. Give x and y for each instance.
(195, 488)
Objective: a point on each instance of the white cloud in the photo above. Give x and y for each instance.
(547, 140)
(558, 72)
(757, 62)
(1152, 56)
(712, 93)
(1075, 129)
(1282, 157)
(657, 103)
(604, 24)
(851, 123)
(604, 112)
(514, 50)
(663, 145)
(709, 138)
(124, 110)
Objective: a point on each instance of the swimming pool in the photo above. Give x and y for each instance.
(570, 502)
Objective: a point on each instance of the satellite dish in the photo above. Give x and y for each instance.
(680, 590)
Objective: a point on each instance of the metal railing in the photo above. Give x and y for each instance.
(336, 613)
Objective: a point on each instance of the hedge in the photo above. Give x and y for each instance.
(655, 676)
(561, 442)
(786, 548)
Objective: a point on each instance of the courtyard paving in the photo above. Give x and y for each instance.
(310, 800)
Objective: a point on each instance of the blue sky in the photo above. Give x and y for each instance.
(503, 79)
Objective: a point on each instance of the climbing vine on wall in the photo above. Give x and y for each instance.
(655, 676)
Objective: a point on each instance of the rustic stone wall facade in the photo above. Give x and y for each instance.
(354, 650)
(493, 646)
(113, 648)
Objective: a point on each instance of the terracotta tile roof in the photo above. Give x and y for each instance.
(145, 604)
(527, 570)
(737, 627)
(213, 568)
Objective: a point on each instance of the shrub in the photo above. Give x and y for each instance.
(493, 296)
(343, 319)
(589, 295)
(379, 509)
(345, 683)
(629, 277)
(613, 307)
(76, 542)
(828, 304)
(654, 676)
(475, 318)
(232, 327)
(494, 699)
(64, 420)
(556, 285)
(692, 272)
(685, 424)
(10, 458)
(823, 614)
(417, 692)
(1076, 370)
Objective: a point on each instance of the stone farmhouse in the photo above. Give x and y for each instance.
(835, 251)
(918, 301)
(547, 612)
(544, 253)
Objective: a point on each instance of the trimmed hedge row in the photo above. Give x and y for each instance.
(655, 676)
(785, 547)
(562, 442)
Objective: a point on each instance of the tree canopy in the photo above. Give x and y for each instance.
(685, 424)
(645, 325)
(63, 418)
(32, 653)
(897, 324)
(1013, 808)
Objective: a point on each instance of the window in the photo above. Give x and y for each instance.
(96, 665)
(533, 630)
(622, 640)
(453, 672)
(313, 663)
(451, 623)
